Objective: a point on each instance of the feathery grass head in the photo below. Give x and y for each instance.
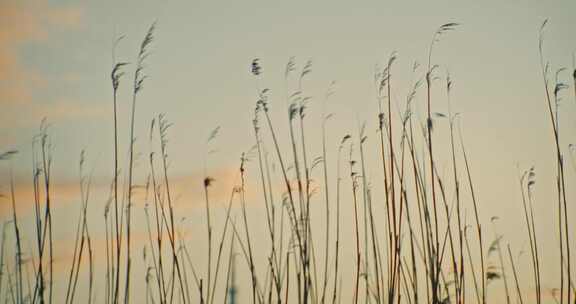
(330, 90)
(292, 110)
(290, 66)
(412, 93)
(317, 161)
(8, 154)
(208, 181)
(443, 29)
(494, 245)
(152, 125)
(303, 105)
(559, 86)
(492, 274)
(262, 102)
(147, 40)
(256, 69)
(541, 33)
(163, 126)
(362, 132)
(382, 80)
(307, 69)
(213, 134)
(448, 81)
(247, 156)
(139, 75)
(345, 139)
(391, 59)
(530, 178)
(406, 116)
(116, 74)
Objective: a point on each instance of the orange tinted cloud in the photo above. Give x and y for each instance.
(61, 193)
(23, 23)
(186, 191)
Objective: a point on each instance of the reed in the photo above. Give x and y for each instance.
(552, 100)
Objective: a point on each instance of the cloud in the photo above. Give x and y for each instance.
(24, 24)
(65, 17)
(187, 191)
(62, 193)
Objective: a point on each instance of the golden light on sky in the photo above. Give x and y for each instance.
(56, 59)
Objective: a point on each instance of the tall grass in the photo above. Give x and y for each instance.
(412, 240)
(116, 75)
(552, 100)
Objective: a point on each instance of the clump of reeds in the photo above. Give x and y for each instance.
(420, 251)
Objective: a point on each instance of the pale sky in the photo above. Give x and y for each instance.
(56, 59)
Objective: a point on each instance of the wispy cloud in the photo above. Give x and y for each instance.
(29, 24)
(187, 191)
(21, 23)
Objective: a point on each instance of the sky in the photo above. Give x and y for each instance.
(56, 58)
